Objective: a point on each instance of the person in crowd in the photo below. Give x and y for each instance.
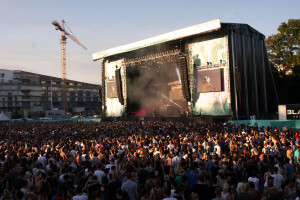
(132, 160)
(218, 194)
(130, 187)
(244, 195)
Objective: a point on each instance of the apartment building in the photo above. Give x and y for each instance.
(25, 94)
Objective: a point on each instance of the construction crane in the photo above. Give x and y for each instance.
(63, 42)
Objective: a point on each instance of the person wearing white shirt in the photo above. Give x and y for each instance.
(51, 161)
(42, 160)
(130, 187)
(170, 146)
(99, 173)
(167, 193)
(81, 195)
(217, 148)
(255, 180)
(278, 179)
(175, 161)
(111, 163)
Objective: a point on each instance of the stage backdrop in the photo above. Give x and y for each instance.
(209, 75)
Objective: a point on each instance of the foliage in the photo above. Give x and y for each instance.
(283, 47)
(284, 55)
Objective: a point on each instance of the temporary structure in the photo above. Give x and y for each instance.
(210, 69)
(3, 117)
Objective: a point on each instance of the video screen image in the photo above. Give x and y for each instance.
(112, 89)
(210, 80)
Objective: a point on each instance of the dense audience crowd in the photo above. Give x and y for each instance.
(148, 160)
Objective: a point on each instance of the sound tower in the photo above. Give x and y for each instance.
(119, 86)
(184, 78)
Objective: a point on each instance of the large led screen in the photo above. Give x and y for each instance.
(112, 89)
(209, 80)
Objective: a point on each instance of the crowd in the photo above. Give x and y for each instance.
(148, 160)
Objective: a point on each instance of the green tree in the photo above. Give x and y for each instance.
(283, 47)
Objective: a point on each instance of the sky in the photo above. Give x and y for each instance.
(29, 41)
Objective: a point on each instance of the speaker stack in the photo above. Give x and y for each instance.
(184, 78)
(119, 86)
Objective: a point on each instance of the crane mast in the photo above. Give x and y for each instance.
(63, 42)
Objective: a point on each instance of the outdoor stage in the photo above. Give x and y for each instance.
(210, 69)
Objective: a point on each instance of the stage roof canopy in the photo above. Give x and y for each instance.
(174, 35)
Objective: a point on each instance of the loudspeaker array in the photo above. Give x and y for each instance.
(119, 86)
(184, 78)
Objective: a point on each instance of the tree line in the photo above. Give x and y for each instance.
(284, 57)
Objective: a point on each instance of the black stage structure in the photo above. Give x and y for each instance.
(213, 69)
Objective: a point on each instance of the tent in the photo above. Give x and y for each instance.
(3, 117)
(77, 118)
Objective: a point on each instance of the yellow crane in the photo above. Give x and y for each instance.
(63, 42)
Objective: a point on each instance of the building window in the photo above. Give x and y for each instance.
(26, 81)
(25, 91)
(43, 82)
(26, 103)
